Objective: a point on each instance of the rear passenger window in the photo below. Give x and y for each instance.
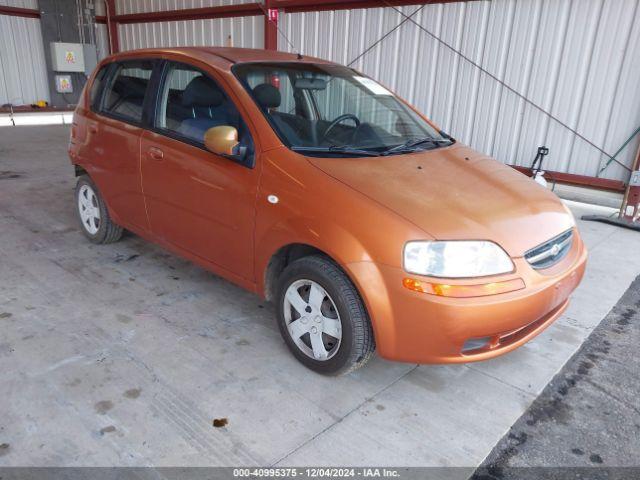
(96, 87)
(192, 102)
(124, 94)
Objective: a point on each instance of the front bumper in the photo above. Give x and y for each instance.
(422, 328)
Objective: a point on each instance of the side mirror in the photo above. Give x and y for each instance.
(222, 140)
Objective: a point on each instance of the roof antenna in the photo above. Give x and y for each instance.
(270, 18)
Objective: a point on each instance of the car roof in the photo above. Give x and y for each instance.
(222, 55)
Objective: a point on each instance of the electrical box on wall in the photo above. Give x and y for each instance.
(67, 57)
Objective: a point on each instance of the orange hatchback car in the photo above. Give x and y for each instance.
(314, 186)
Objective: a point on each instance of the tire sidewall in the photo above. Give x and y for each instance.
(340, 361)
(100, 235)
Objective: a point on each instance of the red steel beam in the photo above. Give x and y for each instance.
(112, 26)
(270, 26)
(627, 191)
(322, 5)
(578, 180)
(255, 9)
(30, 109)
(19, 12)
(224, 11)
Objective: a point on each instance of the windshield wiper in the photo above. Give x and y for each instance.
(412, 144)
(337, 149)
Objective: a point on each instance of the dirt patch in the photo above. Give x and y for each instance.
(123, 318)
(132, 393)
(123, 258)
(7, 174)
(103, 406)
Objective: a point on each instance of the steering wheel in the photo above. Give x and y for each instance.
(338, 120)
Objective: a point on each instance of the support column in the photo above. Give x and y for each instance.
(112, 26)
(270, 29)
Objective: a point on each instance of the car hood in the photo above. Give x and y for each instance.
(454, 193)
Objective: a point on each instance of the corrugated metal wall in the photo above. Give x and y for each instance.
(102, 34)
(245, 32)
(138, 6)
(577, 59)
(102, 40)
(19, 3)
(23, 74)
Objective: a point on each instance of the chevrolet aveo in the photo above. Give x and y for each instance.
(314, 186)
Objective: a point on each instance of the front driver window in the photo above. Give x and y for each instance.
(192, 102)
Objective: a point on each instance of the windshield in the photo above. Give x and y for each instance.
(330, 109)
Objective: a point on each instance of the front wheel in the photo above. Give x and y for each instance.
(322, 318)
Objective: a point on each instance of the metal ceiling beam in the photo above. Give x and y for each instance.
(323, 5)
(224, 11)
(19, 12)
(255, 9)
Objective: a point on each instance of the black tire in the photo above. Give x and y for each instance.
(357, 343)
(108, 232)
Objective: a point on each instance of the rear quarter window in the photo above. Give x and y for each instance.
(125, 90)
(97, 87)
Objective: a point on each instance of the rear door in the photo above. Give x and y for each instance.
(198, 201)
(116, 127)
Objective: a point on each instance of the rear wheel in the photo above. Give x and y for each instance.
(322, 318)
(93, 215)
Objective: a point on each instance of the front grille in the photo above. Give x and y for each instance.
(551, 252)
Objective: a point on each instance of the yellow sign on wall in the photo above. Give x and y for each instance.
(63, 84)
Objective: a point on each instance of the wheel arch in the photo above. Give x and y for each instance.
(295, 238)
(80, 171)
(280, 259)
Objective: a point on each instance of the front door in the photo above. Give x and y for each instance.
(198, 201)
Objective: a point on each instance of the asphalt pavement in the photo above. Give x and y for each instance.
(586, 422)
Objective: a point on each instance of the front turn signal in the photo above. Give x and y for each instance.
(463, 291)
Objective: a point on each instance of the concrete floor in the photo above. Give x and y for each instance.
(123, 354)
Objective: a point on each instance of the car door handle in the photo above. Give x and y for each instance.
(93, 128)
(156, 153)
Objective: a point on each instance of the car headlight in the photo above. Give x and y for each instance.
(456, 259)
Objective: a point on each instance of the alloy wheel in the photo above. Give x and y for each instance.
(312, 319)
(89, 209)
